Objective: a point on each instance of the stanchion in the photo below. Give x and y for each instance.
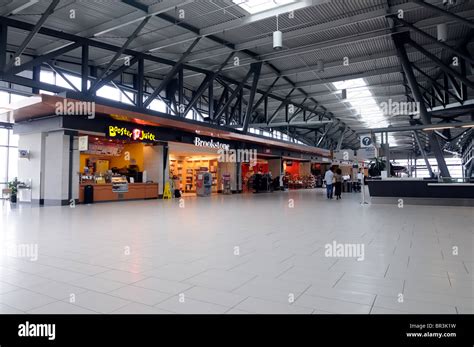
(362, 189)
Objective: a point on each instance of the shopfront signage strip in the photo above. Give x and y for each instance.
(133, 134)
(211, 144)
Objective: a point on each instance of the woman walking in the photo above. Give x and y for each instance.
(338, 184)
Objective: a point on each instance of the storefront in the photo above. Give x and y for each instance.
(187, 161)
(125, 155)
(298, 174)
(114, 167)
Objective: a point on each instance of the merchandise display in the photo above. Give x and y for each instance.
(184, 172)
(299, 182)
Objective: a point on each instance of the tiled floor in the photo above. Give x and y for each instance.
(238, 254)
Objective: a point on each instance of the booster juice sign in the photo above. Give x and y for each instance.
(132, 134)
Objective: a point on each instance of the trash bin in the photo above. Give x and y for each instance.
(88, 194)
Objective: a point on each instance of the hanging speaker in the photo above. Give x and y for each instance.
(277, 40)
(344, 94)
(442, 30)
(320, 66)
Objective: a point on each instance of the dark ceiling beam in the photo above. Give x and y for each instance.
(121, 50)
(220, 41)
(248, 112)
(171, 73)
(445, 13)
(467, 57)
(32, 33)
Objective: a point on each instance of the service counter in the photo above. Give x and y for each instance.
(136, 191)
(421, 192)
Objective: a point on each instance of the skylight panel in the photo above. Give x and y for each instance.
(257, 6)
(362, 100)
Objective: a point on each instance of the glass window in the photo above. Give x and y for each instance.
(109, 93)
(14, 139)
(3, 137)
(47, 77)
(61, 82)
(16, 97)
(158, 105)
(124, 99)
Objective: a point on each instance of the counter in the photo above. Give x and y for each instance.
(136, 191)
(423, 192)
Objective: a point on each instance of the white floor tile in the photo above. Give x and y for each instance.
(406, 250)
(97, 284)
(25, 300)
(255, 305)
(165, 286)
(98, 302)
(121, 276)
(60, 307)
(190, 306)
(140, 295)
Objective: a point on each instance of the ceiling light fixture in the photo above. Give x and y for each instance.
(277, 37)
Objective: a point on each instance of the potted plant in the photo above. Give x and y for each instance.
(13, 186)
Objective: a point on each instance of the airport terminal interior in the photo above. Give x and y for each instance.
(236, 157)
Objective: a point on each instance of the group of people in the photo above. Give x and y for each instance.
(333, 180)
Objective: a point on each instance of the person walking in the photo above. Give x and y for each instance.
(338, 184)
(328, 177)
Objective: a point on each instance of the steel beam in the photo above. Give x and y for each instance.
(323, 136)
(84, 68)
(248, 113)
(3, 46)
(208, 80)
(283, 103)
(41, 59)
(121, 50)
(445, 13)
(64, 77)
(285, 124)
(410, 128)
(234, 94)
(433, 39)
(440, 63)
(34, 31)
(112, 75)
(341, 139)
(171, 73)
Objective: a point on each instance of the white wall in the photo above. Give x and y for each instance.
(56, 167)
(153, 164)
(274, 166)
(31, 168)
